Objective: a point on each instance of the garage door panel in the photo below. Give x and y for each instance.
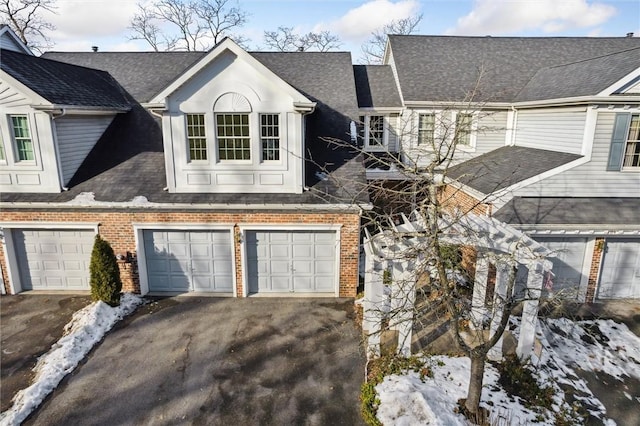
(53, 259)
(298, 261)
(189, 260)
(620, 274)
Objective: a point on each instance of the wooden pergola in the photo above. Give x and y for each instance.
(390, 275)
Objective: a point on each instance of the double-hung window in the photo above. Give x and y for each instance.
(234, 142)
(426, 128)
(632, 147)
(463, 128)
(22, 138)
(3, 156)
(270, 137)
(196, 137)
(373, 131)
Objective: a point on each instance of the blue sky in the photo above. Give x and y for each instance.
(84, 23)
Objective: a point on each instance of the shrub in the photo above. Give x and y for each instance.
(104, 273)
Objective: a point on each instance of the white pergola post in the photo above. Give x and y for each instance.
(503, 273)
(478, 306)
(530, 311)
(372, 305)
(403, 295)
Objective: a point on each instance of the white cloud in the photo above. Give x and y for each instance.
(91, 19)
(551, 16)
(357, 24)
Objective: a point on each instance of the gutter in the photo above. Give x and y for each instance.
(79, 110)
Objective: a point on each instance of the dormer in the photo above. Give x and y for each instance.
(51, 116)
(230, 125)
(10, 41)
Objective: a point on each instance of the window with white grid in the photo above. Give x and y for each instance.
(197, 137)
(270, 137)
(234, 142)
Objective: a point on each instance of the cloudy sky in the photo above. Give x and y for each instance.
(85, 23)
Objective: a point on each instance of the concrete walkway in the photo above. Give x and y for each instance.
(209, 361)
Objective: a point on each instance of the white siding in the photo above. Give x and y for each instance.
(6, 42)
(590, 179)
(11, 98)
(556, 130)
(76, 137)
(490, 133)
(227, 74)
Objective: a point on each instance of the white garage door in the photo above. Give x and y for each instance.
(188, 261)
(291, 261)
(620, 273)
(567, 263)
(53, 259)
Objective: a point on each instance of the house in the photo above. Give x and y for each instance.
(206, 171)
(218, 171)
(548, 141)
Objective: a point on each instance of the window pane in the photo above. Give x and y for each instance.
(426, 128)
(22, 138)
(632, 150)
(2, 157)
(376, 130)
(233, 136)
(196, 137)
(270, 137)
(463, 128)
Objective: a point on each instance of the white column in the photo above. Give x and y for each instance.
(373, 304)
(478, 306)
(503, 274)
(403, 297)
(530, 311)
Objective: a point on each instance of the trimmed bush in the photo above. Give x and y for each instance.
(105, 274)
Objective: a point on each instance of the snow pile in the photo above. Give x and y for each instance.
(89, 199)
(600, 345)
(87, 327)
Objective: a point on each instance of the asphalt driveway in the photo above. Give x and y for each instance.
(29, 325)
(192, 360)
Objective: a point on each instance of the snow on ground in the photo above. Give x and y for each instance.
(87, 327)
(600, 345)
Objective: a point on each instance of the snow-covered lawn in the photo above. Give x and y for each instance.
(87, 327)
(614, 350)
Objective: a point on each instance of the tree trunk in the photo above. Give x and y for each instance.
(475, 383)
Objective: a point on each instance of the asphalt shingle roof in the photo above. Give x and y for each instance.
(128, 160)
(507, 166)
(376, 86)
(448, 68)
(570, 211)
(142, 74)
(64, 84)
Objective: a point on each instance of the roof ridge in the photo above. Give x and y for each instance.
(591, 59)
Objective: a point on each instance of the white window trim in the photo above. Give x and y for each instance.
(436, 127)
(623, 168)
(471, 147)
(206, 137)
(280, 150)
(385, 132)
(14, 145)
(253, 129)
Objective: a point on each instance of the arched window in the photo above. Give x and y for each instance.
(231, 114)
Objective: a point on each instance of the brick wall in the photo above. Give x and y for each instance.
(451, 197)
(594, 270)
(116, 227)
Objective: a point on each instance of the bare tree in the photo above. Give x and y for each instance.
(186, 24)
(24, 17)
(285, 39)
(434, 283)
(373, 49)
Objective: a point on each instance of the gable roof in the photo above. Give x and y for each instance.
(64, 84)
(142, 74)
(570, 211)
(376, 86)
(10, 41)
(582, 78)
(446, 68)
(325, 77)
(506, 166)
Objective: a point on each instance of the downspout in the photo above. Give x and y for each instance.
(56, 147)
(173, 160)
(512, 142)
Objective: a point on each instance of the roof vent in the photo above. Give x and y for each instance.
(629, 35)
(95, 48)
